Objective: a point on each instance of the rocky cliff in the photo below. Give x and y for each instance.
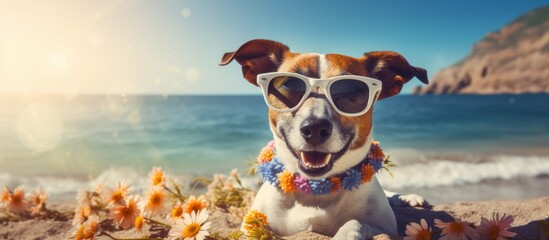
(514, 59)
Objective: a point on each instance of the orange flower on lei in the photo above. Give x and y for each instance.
(286, 182)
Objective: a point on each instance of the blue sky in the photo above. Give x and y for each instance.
(172, 46)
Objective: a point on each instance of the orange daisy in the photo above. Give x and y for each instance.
(139, 223)
(39, 202)
(117, 194)
(496, 228)
(92, 226)
(81, 215)
(157, 176)
(124, 215)
(80, 232)
(286, 181)
(456, 230)
(16, 202)
(194, 204)
(415, 231)
(4, 195)
(176, 212)
(154, 201)
(367, 172)
(39, 197)
(88, 229)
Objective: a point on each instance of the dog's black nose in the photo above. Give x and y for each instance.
(316, 131)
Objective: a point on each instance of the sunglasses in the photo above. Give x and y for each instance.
(349, 95)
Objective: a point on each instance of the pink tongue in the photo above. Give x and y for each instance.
(314, 158)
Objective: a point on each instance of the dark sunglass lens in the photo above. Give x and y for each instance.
(286, 92)
(350, 96)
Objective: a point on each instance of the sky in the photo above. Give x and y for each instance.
(174, 47)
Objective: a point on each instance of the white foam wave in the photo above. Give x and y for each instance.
(433, 173)
(451, 173)
(55, 185)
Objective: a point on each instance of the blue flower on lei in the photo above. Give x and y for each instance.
(270, 170)
(320, 187)
(376, 164)
(351, 180)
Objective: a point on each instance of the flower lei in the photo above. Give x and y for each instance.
(273, 172)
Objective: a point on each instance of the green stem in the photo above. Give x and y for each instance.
(115, 238)
(180, 197)
(197, 181)
(9, 215)
(159, 223)
(239, 182)
(108, 235)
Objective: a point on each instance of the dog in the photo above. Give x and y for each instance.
(325, 134)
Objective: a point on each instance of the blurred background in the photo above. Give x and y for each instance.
(94, 91)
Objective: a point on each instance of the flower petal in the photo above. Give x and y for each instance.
(206, 225)
(424, 224)
(415, 225)
(411, 230)
(506, 233)
(506, 221)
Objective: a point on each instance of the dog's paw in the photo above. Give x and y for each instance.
(354, 230)
(351, 230)
(407, 200)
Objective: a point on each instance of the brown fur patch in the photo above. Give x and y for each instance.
(338, 65)
(273, 115)
(309, 65)
(363, 124)
(305, 64)
(341, 64)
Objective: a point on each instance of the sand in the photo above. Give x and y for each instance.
(527, 215)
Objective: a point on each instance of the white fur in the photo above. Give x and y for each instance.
(287, 65)
(358, 214)
(361, 213)
(323, 65)
(380, 66)
(273, 58)
(320, 109)
(405, 200)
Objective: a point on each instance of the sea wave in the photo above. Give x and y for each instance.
(440, 172)
(433, 173)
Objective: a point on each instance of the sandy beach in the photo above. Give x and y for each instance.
(155, 120)
(527, 214)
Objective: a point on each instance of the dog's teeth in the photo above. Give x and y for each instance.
(327, 159)
(325, 162)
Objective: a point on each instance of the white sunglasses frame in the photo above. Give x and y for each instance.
(374, 85)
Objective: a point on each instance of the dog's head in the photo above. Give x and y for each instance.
(315, 139)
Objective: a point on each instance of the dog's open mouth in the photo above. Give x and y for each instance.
(315, 163)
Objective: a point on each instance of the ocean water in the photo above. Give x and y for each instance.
(445, 146)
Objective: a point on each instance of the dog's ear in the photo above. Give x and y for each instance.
(257, 56)
(393, 70)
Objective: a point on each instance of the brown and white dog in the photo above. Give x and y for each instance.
(357, 214)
